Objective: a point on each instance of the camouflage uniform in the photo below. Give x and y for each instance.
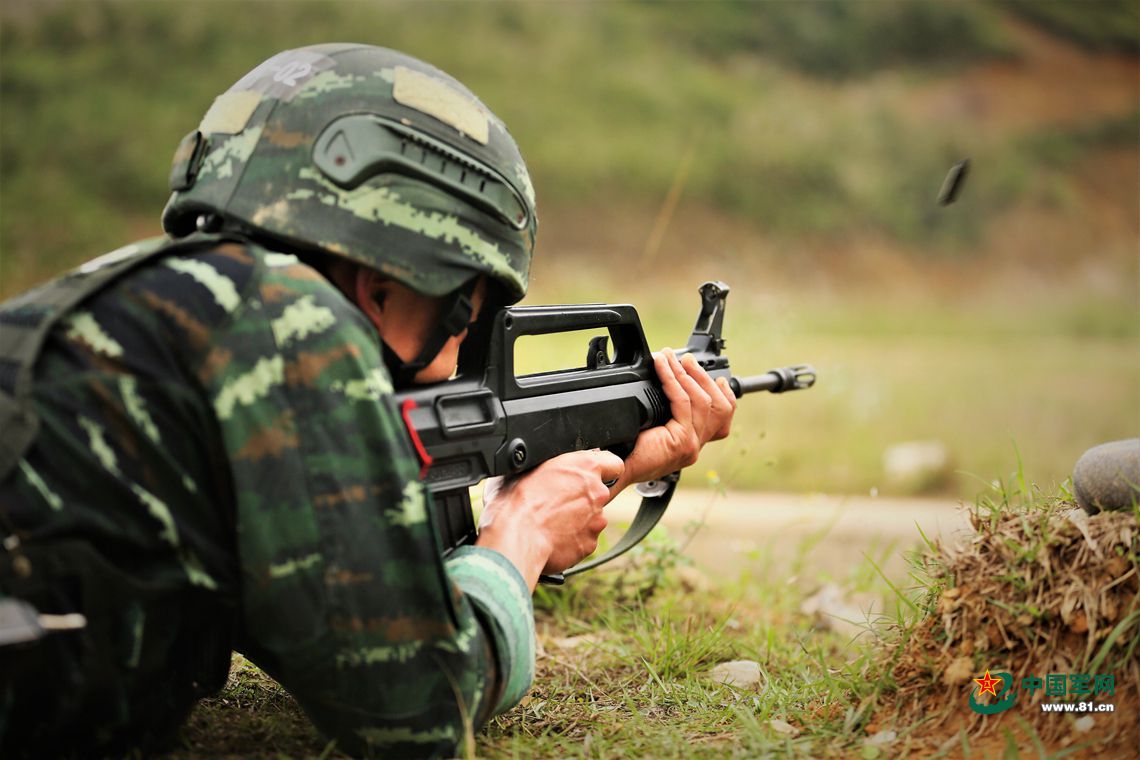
(218, 427)
(219, 463)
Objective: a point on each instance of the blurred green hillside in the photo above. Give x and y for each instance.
(806, 142)
(605, 98)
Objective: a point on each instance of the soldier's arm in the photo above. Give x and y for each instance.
(345, 598)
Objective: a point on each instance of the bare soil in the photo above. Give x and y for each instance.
(1051, 82)
(740, 532)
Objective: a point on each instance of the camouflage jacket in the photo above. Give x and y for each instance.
(221, 423)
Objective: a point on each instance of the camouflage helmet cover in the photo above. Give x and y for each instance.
(368, 154)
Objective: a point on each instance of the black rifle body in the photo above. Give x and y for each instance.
(489, 422)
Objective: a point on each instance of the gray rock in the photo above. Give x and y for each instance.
(880, 739)
(743, 674)
(917, 465)
(783, 727)
(847, 614)
(1108, 476)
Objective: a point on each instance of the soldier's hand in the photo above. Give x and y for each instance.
(702, 412)
(549, 519)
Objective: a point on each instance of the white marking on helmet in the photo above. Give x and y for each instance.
(292, 72)
(230, 113)
(441, 101)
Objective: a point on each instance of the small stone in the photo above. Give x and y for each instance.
(1083, 724)
(743, 674)
(917, 465)
(783, 727)
(880, 739)
(831, 610)
(959, 671)
(1103, 477)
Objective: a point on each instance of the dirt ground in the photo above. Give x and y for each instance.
(745, 531)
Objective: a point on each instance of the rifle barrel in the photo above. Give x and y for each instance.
(794, 378)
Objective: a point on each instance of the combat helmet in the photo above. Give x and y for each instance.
(368, 154)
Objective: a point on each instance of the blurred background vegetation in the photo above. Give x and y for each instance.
(792, 149)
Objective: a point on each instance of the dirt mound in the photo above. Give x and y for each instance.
(1050, 81)
(1043, 607)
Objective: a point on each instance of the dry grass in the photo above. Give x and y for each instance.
(1041, 589)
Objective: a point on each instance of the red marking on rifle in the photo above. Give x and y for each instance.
(425, 458)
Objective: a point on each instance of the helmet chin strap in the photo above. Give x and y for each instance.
(456, 318)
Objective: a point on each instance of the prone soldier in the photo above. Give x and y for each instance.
(200, 451)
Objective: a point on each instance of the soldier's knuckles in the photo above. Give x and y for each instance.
(598, 493)
(692, 449)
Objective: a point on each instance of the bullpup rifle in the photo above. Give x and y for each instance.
(489, 422)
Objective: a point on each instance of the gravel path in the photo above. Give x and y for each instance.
(753, 531)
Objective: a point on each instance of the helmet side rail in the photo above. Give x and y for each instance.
(488, 422)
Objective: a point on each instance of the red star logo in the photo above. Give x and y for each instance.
(986, 684)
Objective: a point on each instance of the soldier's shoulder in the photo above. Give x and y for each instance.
(216, 277)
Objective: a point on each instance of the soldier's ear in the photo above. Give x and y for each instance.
(371, 290)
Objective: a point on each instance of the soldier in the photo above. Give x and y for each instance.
(200, 449)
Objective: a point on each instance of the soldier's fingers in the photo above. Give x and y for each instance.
(697, 372)
(730, 398)
(610, 465)
(678, 399)
(726, 390)
(698, 399)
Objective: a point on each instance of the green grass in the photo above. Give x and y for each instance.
(625, 656)
(623, 671)
(1061, 148)
(834, 39)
